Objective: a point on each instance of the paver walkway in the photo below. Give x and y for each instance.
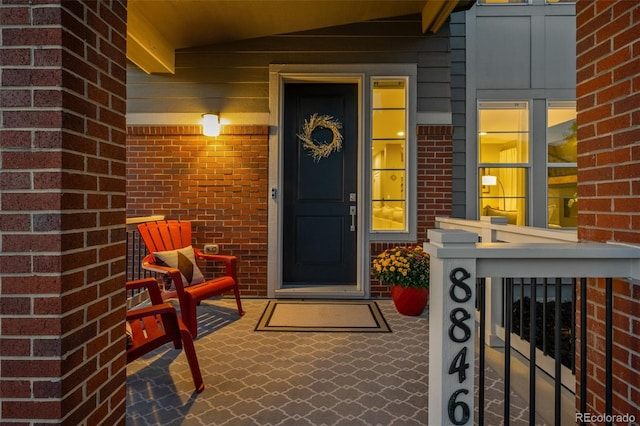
(277, 378)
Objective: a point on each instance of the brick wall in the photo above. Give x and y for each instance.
(62, 199)
(608, 91)
(221, 184)
(435, 174)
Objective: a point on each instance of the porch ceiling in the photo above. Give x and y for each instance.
(157, 28)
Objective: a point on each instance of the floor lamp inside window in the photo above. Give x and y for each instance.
(489, 180)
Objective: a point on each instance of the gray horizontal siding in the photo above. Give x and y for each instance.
(208, 75)
(245, 89)
(458, 114)
(234, 77)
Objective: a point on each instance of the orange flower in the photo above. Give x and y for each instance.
(407, 266)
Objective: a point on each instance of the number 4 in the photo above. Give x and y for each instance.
(459, 365)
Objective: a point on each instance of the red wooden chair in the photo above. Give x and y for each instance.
(156, 325)
(171, 241)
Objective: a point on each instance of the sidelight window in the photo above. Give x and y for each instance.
(389, 154)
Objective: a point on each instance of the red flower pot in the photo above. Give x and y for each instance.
(409, 300)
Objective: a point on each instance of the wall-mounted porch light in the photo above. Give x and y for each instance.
(210, 125)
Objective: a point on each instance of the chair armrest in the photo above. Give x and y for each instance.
(149, 263)
(163, 308)
(215, 257)
(229, 261)
(151, 285)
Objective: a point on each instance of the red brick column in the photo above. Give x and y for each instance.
(435, 176)
(62, 199)
(608, 91)
(435, 180)
(220, 184)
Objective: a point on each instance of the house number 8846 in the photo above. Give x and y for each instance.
(459, 332)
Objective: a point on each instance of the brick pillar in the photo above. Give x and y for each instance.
(435, 176)
(608, 60)
(62, 212)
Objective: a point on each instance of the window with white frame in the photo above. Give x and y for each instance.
(503, 154)
(562, 166)
(389, 157)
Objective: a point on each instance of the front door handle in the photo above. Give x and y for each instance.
(352, 212)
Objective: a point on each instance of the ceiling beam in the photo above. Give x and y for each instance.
(435, 13)
(146, 47)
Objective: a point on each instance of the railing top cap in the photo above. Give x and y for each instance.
(457, 248)
(136, 220)
(452, 236)
(559, 250)
(560, 259)
(493, 223)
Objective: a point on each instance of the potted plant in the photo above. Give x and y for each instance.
(406, 270)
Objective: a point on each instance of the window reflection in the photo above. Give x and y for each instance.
(562, 132)
(562, 171)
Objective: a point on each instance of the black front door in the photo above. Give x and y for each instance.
(319, 233)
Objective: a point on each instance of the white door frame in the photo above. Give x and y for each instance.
(279, 75)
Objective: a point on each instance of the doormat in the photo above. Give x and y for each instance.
(358, 316)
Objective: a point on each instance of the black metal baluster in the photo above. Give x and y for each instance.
(609, 349)
(142, 251)
(532, 352)
(573, 325)
(521, 308)
(583, 345)
(134, 256)
(507, 351)
(480, 298)
(545, 301)
(557, 354)
(127, 262)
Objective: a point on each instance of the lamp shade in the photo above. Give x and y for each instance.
(210, 125)
(489, 180)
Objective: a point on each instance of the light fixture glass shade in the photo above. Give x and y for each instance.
(210, 125)
(489, 180)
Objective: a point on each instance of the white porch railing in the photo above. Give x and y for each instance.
(459, 261)
(492, 229)
(495, 228)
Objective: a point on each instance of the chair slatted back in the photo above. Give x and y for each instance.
(165, 235)
(156, 325)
